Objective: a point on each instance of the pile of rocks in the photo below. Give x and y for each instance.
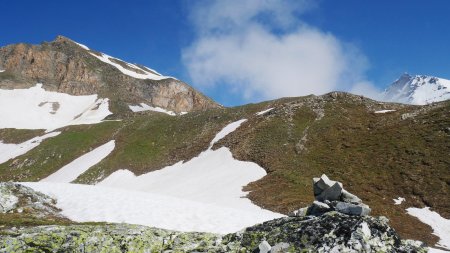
(331, 196)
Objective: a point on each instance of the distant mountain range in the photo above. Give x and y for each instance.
(418, 90)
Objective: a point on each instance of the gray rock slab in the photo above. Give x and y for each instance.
(332, 193)
(264, 247)
(352, 209)
(318, 208)
(350, 198)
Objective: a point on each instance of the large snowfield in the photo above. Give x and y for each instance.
(36, 108)
(203, 194)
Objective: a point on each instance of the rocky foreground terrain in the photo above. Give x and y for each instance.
(325, 230)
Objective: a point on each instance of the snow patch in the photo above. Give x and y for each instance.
(433, 250)
(440, 225)
(144, 107)
(264, 112)
(384, 111)
(214, 177)
(82, 46)
(398, 201)
(147, 73)
(10, 151)
(226, 130)
(35, 108)
(84, 203)
(2, 70)
(71, 171)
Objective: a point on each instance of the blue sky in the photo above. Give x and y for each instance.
(247, 51)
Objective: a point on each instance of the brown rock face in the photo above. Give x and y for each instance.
(64, 66)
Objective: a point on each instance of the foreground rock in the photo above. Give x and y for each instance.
(331, 232)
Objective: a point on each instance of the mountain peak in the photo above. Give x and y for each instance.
(60, 39)
(418, 89)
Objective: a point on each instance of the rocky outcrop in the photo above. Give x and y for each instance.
(64, 66)
(16, 198)
(331, 232)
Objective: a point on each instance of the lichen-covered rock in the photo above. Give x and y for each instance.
(331, 232)
(109, 238)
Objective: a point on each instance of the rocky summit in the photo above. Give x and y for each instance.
(66, 66)
(332, 231)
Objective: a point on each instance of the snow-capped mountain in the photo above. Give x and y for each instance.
(419, 90)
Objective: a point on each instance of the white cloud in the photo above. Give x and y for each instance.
(260, 49)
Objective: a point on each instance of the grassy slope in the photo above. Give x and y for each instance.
(16, 136)
(377, 156)
(53, 153)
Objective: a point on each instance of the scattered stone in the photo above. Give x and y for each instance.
(350, 198)
(300, 212)
(264, 247)
(280, 247)
(318, 208)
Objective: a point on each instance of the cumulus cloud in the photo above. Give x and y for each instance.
(261, 49)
